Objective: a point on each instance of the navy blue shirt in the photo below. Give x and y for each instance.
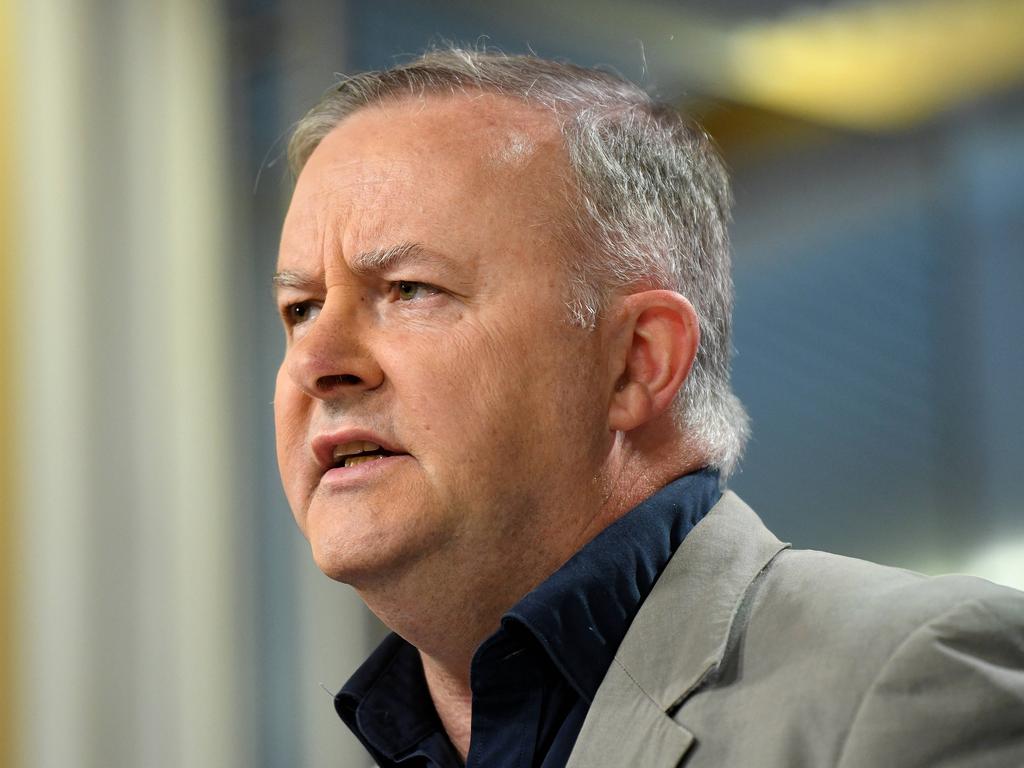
(535, 678)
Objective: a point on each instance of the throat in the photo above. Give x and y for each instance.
(453, 701)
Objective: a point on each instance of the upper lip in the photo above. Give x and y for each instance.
(324, 445)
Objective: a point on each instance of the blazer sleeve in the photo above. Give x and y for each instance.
(951, 695)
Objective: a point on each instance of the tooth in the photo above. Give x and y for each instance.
(352, 461)
(368, 446)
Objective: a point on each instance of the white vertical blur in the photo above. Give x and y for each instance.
(198, 390)
(130, 632)
(51, 361)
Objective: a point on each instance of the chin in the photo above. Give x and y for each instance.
(375, 541)
(359, 557)
(340, 563)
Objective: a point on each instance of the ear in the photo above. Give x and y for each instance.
(658, 340)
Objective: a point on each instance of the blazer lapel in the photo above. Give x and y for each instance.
(625, 727)
(676, 643)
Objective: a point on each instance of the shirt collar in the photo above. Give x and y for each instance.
(580, 614)
(387, 704)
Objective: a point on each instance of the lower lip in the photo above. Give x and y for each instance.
(340, 478)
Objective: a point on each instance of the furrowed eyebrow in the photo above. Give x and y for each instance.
(366, 264)
(381, 260)
(292, 279)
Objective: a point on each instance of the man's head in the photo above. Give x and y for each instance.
(460, 289)
(649, 202)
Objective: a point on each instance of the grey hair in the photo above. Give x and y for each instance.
(652, 210)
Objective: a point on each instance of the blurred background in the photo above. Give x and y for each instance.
(157, 605)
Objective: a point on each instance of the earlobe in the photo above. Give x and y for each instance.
(660, 344)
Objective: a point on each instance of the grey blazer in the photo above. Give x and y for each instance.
(748, 653)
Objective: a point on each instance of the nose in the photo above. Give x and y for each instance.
(332, 358)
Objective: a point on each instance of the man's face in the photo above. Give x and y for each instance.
(422, 287)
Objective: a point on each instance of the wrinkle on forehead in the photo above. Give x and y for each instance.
(385, 170)
(328, 196)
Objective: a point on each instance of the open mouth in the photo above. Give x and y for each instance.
(357, 452)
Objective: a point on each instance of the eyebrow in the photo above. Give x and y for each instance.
(366, 263)
(381, 260)
(290, 278)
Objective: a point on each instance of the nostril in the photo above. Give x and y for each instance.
(330, 382)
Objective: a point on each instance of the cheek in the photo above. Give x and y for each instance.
(458, 390)
(508, 379)
(483, 393)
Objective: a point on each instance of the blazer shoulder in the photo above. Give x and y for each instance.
(952, 692)
(757, 654)
(853, 609)
(831, 651)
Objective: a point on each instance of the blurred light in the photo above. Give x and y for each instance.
(869, 65)
(1002, 562)
(878, 65)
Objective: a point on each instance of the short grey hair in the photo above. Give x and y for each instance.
(652, 209)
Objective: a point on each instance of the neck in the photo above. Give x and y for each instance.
(453, 700)
(447, 611)
(447, 616)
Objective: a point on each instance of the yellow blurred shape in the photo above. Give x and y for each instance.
(7, 511)
(878, 65)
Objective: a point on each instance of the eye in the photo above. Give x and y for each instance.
(299, 312)
(407, 290)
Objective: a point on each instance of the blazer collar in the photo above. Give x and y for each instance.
(676, 642)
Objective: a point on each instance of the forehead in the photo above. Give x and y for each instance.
(460, 165)
(486, 131)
